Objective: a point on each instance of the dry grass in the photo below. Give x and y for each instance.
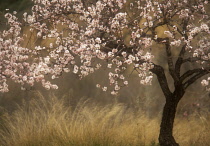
(49, 122)
(192, 131)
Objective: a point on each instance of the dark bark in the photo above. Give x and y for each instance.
(172, 99)
(181, 83)
(166, 128)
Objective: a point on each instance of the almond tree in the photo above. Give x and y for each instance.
(121, 33)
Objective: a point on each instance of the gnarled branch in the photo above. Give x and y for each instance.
(179, 61)
(199, 74)
(159, 72)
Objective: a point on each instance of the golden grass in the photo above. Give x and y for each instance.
(194, 131)
(49, 122)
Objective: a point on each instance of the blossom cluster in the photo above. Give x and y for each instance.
(80, 32)
(206, 83)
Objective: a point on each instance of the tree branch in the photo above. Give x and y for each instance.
(195, 77)
(170, 62)
(194, 59)
(180, 61)
(159, 71)
(190, 73)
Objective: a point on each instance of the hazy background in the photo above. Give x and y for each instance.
(148, 98)
(80, 114)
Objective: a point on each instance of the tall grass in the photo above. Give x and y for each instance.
(50, 122)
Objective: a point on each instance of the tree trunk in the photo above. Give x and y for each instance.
(166, 128)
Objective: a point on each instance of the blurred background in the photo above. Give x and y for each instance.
(148, 98)
(23, 111)
(15, 5)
